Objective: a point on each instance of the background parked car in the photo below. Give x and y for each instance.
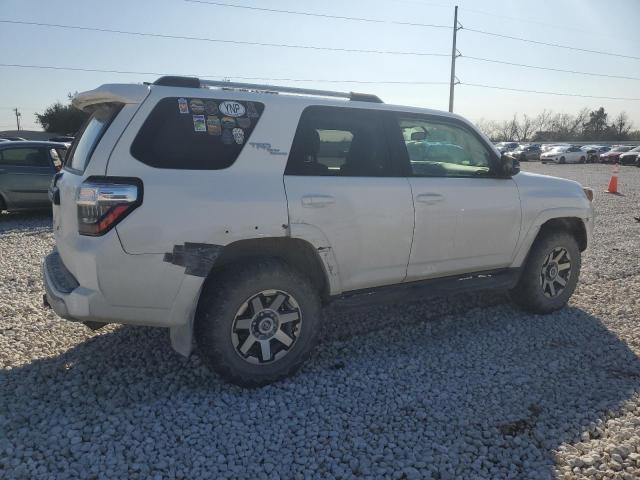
(632, 157)
(506, 146)
(26, 169)
(572, 154)
(594, 152)
(526, 152)
(613, 155)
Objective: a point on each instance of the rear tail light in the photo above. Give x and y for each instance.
(104, 201)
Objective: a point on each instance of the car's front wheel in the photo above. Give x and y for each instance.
(550, 274)
(257, 322)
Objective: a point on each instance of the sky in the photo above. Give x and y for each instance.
(608, 26)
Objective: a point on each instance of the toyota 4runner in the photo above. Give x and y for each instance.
(232, 213)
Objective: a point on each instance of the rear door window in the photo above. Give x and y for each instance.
(336, 141)
(24, 157)
(90, 135)
(195, 133)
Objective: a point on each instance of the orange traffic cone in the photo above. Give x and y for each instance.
(613, 183)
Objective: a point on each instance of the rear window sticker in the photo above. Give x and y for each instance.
(199, 124)
(251, 110)
(182, 105)
(228, 122)
(213, 126)
(210, 107)
(227, 137)
(232, 109)
(243, 122)
(197, 105)
(238, 135)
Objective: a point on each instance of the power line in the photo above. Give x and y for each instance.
(275, 79)
(538, 67)
(556, 45)
(561, 94)
(464, 8)
(220, 40)
(319, 15)
(318, 80)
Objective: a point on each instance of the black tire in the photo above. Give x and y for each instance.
(583, 160)
(562, 160)
(219, 308)
(3, 206)
(530, 293)
(523, 158)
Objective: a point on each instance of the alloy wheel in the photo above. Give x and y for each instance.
(266, 327)
(555, 272)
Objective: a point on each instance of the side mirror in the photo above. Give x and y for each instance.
(509, 166)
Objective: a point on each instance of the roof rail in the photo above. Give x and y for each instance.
(176, 81)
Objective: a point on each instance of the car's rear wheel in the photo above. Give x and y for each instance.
(583, 160)
(563, 160)
(257, 322)
(550, 274)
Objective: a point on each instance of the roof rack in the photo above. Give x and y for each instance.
(175, 81)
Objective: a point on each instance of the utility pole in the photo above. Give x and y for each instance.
(18, 115)
(454, 55)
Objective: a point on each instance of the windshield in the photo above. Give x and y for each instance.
(90, 135)
(621, 149)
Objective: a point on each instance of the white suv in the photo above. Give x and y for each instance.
(231, 213)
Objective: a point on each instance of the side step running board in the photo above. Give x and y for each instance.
(414, 291)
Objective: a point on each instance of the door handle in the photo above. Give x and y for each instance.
(316, 201)
(429, 198)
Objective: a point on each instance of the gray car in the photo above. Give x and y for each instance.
(26, 169)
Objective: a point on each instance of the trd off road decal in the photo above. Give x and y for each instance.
(183, 107)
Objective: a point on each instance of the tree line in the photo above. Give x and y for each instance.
(548, 126)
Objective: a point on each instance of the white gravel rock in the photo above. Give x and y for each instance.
(465, 387)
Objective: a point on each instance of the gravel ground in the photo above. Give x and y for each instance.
(452, 388)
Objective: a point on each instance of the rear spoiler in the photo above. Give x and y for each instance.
(110, 93)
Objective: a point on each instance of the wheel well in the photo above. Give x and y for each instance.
(297, 253)
(573, 225)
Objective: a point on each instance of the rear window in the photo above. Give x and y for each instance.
(90, 135)
(24, 157)
(195, 133)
